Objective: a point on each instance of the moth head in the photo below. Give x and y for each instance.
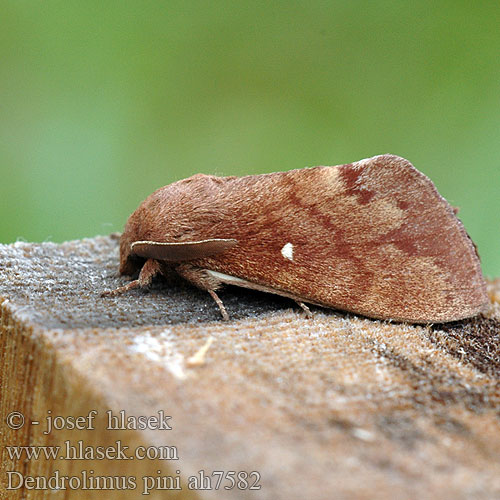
(138, 244)
(129, 262)
(176, 223)
(133, 255)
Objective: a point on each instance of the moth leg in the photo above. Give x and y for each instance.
(201, 279)
(305, 308)
(225, 315)
(149, 270)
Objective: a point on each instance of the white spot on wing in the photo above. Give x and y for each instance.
(287, 251)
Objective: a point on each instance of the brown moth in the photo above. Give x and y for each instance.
(373, 237)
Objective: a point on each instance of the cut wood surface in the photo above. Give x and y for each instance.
(333, 407)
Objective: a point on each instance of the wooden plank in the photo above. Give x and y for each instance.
(331, 407)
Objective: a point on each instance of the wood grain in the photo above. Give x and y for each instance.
(331, 407)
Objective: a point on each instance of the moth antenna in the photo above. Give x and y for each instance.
(223, 311)
(305, 308)
(149, 270)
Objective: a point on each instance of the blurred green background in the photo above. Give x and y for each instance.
(103, 102)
